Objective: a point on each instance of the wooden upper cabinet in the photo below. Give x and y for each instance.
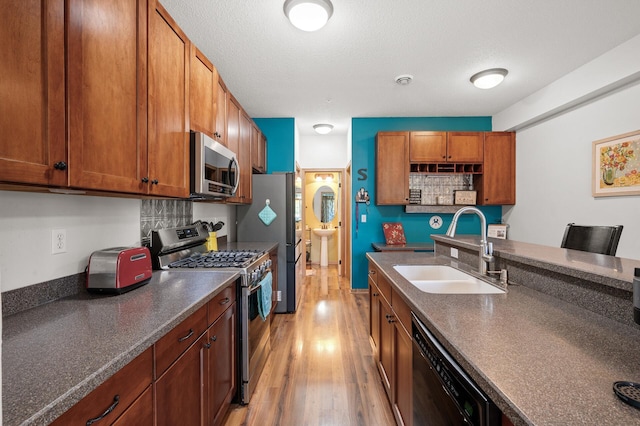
(465, 147)
(239, 141)
(202, 92)
(168, 120)
(497, 184)
(442, 147)
(32, 110)
(392, 168)
(428, 147)
(258, 148)
(244, 158)
(233, 125)
(220, 108)
(106, 91)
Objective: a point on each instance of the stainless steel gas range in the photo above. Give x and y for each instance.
(185, 248)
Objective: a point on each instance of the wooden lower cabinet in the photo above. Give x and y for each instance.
(140, 413)
(120, 396)
(392, 345)
(221, 356)
(180, 390)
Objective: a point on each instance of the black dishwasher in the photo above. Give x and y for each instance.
(443, 394)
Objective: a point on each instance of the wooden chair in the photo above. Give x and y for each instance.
(594, 239)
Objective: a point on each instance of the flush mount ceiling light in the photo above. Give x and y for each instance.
(488, 79)
(324, 177)
(323, 129)
(308, 15)
(404, 79)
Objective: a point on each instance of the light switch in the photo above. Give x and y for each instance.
(363, 218)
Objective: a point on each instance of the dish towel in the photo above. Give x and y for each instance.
(264, 296)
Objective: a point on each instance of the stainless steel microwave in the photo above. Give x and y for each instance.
(215, 173)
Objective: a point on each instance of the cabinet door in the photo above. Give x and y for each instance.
(246, 195)
(465, 147)
(403, 358)
(222, 365)
(221, 105)
(374, 319)
(256, 165)
(107, 89)
(374, 311)
(201, 92)
(497, 185)
(168, 105)
(32, 106)
(233, 140)
(428, 147)
(262, 154)
(180, 390)
(385, 363)
(392, 168)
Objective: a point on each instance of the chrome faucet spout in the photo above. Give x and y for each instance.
(485, 254)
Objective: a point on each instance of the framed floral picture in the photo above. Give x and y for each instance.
(616, 165)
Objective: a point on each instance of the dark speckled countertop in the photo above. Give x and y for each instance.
(55, 354)
(542, 360)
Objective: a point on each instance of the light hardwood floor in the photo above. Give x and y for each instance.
(321, 370)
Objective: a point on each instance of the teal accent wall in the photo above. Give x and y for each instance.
(280, 133)
(416, 225)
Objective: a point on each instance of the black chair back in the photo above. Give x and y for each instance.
(594, 239)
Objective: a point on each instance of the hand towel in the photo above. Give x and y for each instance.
(264, 296)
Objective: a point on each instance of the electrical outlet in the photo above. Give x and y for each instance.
(454, 253)
(58, 241)
(278, 296)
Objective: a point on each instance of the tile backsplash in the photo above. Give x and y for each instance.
(158, 214)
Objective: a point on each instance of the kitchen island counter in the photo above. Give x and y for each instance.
(542, 360)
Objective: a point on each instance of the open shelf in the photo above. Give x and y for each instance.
(468, 168)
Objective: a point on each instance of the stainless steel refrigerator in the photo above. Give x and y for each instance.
(285, 201)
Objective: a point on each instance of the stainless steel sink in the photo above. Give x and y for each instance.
(443, 279)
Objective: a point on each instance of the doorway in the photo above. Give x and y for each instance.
(324, 209)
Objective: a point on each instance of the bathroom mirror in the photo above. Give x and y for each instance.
(324, 204)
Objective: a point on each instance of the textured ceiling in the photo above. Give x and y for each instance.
(347, 69)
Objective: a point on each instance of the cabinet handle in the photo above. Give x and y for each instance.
(372, 272)
(376, 294)
(154, 182)
(207, 345)
(145, 179)
(224, 301)
(182, 339)
(214, 338)
(116, 400)
(60, 165)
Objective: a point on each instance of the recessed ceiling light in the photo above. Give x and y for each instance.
(323, 129)
(488, 79)
(404, 79)
(308, 15)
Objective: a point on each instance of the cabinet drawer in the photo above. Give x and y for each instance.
(124, 387)
(169, 347)
(402, 311)
(221, 302)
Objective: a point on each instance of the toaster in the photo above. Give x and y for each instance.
(118, 269)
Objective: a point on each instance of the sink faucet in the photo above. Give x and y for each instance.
(485, 255)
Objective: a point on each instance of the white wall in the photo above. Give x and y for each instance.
(92, 223)
(323, 152)
(213, 212)
(554, 152)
